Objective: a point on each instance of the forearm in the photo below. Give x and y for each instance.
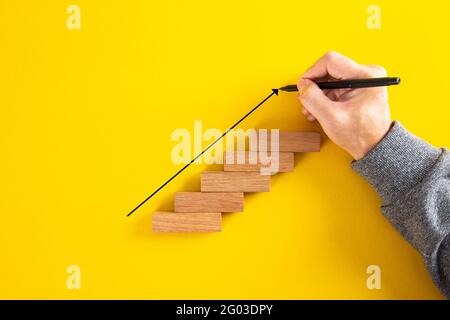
(413, 179)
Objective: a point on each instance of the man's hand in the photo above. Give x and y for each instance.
(354, 119)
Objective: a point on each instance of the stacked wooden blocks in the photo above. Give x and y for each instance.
(223, 191)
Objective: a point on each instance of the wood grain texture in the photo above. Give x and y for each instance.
(186, 222)
(209, 202)
(285, 161)
(219, 181)
(293, 141)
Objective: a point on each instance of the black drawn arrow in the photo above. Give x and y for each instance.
(274, 92)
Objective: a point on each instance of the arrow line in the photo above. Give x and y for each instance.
(274, 92)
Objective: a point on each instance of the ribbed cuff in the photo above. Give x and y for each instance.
(397, 163)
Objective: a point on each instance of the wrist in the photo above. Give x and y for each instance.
(369, 141)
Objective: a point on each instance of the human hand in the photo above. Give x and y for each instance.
(354, 119)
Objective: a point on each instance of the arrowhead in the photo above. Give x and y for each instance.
(275, 91)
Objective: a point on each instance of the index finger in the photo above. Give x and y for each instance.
(337, 66)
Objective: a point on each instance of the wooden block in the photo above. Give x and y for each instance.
(209, 202)
(285, 161)
(293, 141)
(219, 181)
(186, 222)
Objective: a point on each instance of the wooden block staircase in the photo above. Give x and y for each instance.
(223, 191)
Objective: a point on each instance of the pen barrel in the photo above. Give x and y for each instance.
(359, 83)
(350, 84)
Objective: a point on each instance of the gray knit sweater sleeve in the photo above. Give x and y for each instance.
(413, 179)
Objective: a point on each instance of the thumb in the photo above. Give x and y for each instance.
(313, 98)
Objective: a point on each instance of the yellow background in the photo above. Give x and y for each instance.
(85, 124)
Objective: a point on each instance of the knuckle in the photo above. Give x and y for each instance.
(330, 55)
(336, 119)
(378, 71)
(367, 73)
(338, 115)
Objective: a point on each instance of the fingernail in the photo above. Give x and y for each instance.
(303, 87)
